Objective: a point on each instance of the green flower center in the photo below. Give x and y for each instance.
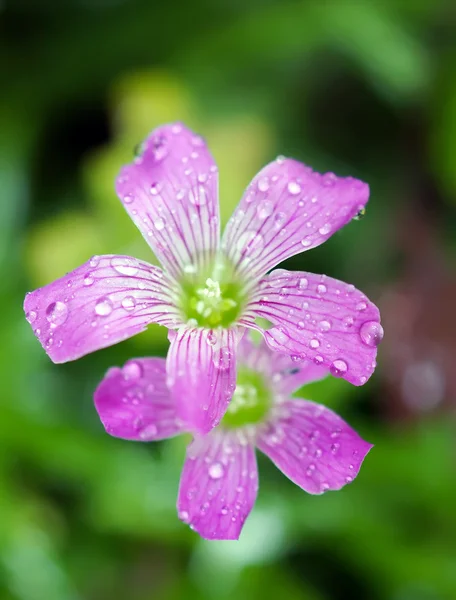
(251, 400)
(212, 298)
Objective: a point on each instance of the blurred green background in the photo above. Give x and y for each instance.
(357, 87)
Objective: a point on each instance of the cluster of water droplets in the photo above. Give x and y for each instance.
(369, 331)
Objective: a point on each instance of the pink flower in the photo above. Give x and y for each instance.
(313, 446)
(210, 290)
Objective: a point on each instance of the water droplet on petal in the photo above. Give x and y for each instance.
(148, 432)
(263, 184)
(371, 333)
(88, 279)
(265, 209)
(159, 148)
(222, 359)
(338, 368)
(124, 266)
(183, 516)
(314, 343)
(159, 224)
(211, 338)
(294, 188)
(128, 303)
(303, 283)
(31, 316)
(94, 261)
(104, 307)
(279, 219)
(132, 370)
(198, 197)
(325, 325)
(321, 288)
(306, 242)
(325, 229)
(318, 360)
(57, 313)
(361, 306)
(251, 242)
(128, 199)
(216, 471)
(348, 322)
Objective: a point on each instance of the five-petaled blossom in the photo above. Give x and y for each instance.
(210, 290)
(312, 445)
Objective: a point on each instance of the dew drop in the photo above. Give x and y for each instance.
(318, 360)
(321, 288)
(279, 219)
(155, 188)
(222, 359)
(184, 516)
(198, 197)
(124, 266)
(148, 432)
(159, 149)
(252, 242)
(359, 215)
(57, 313)
(314, 343)
(216, 471)
(128, 199)
(159, 224)
(103, 307)
(132, 370)
(265, 209)
(306, 242)
(94, 261)
(294, 188)
(361, 306)
(180, 195)
(325, 325)
(31, 316)
(303, 283)
(88, 279)
(338, 368)
(348, 322)
(263, 184)
(211, 338)
(371, 333)
(128, 303)
(325, 229)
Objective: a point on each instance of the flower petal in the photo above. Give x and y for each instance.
(134, 402)
(201, 365)
(321, 319)
(218, 486)
(171, 193)
(284, 373)
(286, 209)
(313, 446)
(102, 302)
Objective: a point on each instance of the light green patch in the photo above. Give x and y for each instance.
(212, 298)
(251, 400)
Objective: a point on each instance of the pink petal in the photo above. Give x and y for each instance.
(313, 446)
(218, 486)
(171, 193)
(285, 375)
(321, 319)
(102, 302)
(134, 402)
(286, 209)
(201, 367)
